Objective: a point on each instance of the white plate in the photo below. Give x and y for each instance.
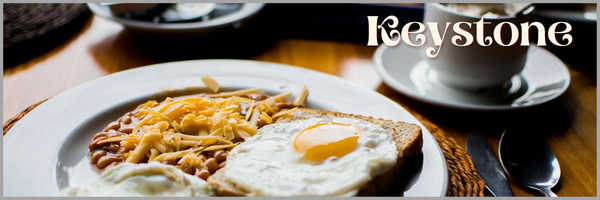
(48, 147)
(543, 79)
(186, 29)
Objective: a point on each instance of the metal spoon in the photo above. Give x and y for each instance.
(528, 159)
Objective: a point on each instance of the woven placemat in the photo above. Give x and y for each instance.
(31, 29)
(464, 180)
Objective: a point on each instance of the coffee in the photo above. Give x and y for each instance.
(485, 10)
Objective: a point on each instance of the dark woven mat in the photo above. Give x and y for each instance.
(464, 180)
(33, 28)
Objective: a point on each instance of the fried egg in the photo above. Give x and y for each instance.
(151, 179)
(311, 157)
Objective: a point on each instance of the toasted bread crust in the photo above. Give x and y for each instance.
(407, 136)
(224, 187)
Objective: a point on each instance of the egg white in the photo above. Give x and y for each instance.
(268, 165)
(151, 179)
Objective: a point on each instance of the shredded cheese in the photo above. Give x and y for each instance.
(182, 128)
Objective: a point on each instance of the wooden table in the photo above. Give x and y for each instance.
(102, 48)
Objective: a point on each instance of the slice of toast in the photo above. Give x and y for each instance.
(407, 136)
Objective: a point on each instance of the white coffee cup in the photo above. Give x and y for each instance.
(474, 67)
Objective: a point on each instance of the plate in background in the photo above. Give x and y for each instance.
(182, 29)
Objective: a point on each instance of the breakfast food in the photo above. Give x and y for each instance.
(246, 143)
(194, 133)
(319, 153)
(151, 179)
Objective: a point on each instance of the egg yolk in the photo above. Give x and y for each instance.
(321, 141)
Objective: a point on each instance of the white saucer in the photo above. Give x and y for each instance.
(544, 78)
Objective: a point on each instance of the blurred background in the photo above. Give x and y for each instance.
(243, 30)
